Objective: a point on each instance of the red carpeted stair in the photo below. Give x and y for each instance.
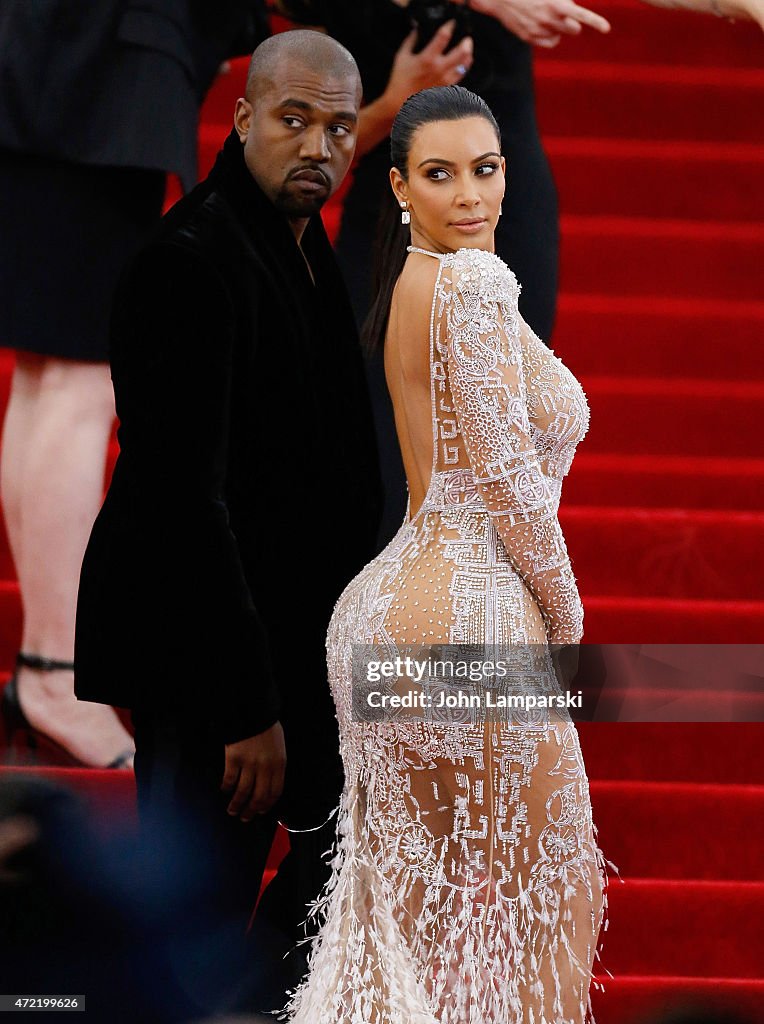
(656, 137)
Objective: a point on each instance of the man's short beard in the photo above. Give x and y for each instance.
(293, 207)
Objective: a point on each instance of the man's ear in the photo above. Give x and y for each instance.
(241, 118)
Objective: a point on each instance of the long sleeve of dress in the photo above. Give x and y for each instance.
(479, 327)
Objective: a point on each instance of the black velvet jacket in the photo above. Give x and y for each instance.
(246, 493)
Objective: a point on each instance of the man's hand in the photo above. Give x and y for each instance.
(412, 72)
(541, 22)
(254, 768)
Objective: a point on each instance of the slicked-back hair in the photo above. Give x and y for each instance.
(441, 103)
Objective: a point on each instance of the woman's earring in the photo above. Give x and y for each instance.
(405, 215)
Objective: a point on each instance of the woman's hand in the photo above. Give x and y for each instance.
(541, 22)
(412, 72)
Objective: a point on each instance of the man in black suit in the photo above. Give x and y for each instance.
(245, 497)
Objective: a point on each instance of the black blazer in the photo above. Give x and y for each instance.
(116, 82)
(246, 493)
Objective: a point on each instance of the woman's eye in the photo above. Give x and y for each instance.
(437, 174)
(485, 169)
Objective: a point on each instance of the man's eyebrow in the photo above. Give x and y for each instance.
(300, 104)
(450, 163)
(341, 115)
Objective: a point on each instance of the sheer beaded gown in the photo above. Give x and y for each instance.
(467, 884)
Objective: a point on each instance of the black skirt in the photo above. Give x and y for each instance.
(66, 232)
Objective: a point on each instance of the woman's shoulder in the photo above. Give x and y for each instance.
(477, 270)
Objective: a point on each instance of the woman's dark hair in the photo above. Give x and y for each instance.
(441, 103)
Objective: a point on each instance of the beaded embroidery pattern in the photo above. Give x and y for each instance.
(467, 886)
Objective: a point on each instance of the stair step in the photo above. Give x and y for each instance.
(668, 812)
(715, 181)
(628, 999)
(673, 258)
(626, 620)
(650, 920)
(676, 481)
(650, 101)
(653, 335)
(675, 417)
(672, 704)
(679, 553)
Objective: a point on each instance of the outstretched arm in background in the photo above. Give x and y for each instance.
(748, 10)
(542, 22)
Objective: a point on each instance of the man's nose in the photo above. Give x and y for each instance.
(314, 145)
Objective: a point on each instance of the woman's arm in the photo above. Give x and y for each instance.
(484, 363)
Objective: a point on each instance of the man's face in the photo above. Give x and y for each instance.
(299, 136)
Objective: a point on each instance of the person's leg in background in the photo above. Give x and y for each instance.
(54, 447)
(66, 232)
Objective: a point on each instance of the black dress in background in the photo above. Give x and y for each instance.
(527, 235)
(99, 99)
(66, 232)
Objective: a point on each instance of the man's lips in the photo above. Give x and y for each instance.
(310, 175)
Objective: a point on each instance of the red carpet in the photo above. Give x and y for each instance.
(655, 135)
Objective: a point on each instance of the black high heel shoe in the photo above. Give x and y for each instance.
(15, 721)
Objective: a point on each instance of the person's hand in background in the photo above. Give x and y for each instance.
(435, 64)
(411, 72)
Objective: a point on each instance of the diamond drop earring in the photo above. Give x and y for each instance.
(405, 215)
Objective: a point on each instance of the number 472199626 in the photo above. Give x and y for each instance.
(36, 1002)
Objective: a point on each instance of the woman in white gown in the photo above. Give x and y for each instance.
(467, 885)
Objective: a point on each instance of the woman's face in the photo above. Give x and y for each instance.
(455, 185)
